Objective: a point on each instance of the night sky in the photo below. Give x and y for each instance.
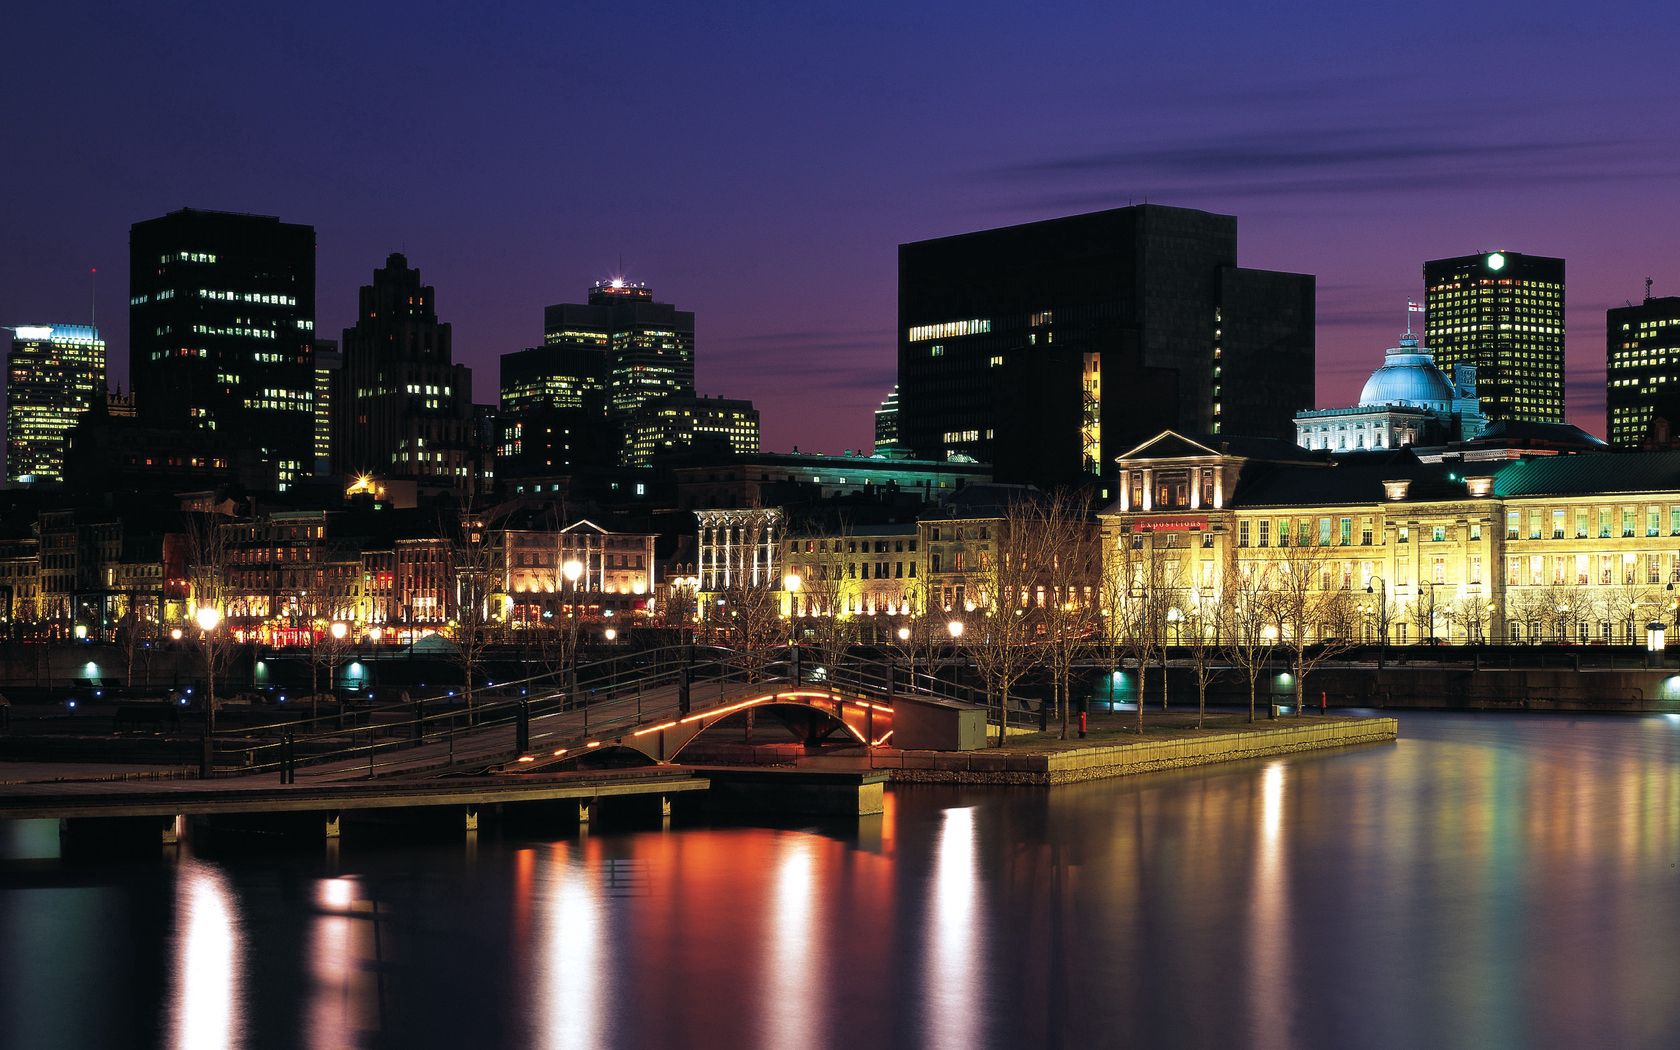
(759, 163)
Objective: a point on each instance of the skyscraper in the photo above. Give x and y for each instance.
(649, 346)
(327, 363)
(1050, 348)
(1503, 313)
(54, 374)
(1642, 368)
(553, 416)
(886, 422)
(674, 424)
(222, 330)
(403, 407)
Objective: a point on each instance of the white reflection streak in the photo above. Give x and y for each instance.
(954, 965)
(208, 962)
(334, 968)
(1270, 968)
(575, 996)
(792, 993)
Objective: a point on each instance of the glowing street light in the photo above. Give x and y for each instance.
(791, 583)
(175, 634)
(956, 629)
(339, 629)
(208, 617)
(904, 634)
(572, 570)
(611, 633)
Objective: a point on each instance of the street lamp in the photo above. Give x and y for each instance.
(1175, 617)
(791, 584)
(611, 633)
(572, 570)
(1382, 615)
(208, 618)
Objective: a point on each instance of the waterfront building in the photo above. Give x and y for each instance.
(1580, 547)
(404, 407)
(1642, 371)
(1407, 401)
(690, 424)
(55, 374)
(582, 571)
(222, 331)
(648, 346)
(1501, 312)
(854, 571)
(1048, 348)
(886, 423)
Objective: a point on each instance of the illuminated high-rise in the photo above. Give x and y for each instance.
(1642, 374)
(222, 332)
(1503, 313)
(649, 346)
(54, 374)
(327, 363)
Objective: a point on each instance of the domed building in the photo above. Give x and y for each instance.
(1408, 401)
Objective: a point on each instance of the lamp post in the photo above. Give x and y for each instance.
(955, 629)
(791, 584)
(1431, 585)
(208, 618)
(1382, 615)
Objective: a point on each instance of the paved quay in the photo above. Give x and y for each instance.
(1113, 748)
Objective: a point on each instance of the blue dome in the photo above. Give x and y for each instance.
(1408, 376)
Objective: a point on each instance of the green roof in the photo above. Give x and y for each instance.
(1590, 474)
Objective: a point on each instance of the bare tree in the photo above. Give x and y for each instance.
(137, 632)
(1248, 632)
(1143, 583)
(1200, 640)
(1069, 556)
(1628, 605)
(1315, 609)
(476, 594)
(1470, 615)
(751, 622)
(823, 593)
(999, 637)
(207, 564)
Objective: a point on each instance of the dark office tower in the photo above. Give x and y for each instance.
(1641, 377)
(327, 363)
(403, 406)
(553, 414)
(1503, 313)
(1049, 349)
(222, 332)
(55, 374)
(649, 346)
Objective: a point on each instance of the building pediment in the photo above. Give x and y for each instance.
(1168, 444)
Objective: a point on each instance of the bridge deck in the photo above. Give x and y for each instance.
(48, 801)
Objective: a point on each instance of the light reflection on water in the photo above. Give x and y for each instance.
(1489, 881)
(209, 962)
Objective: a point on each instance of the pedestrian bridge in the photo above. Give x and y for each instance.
(642, 708)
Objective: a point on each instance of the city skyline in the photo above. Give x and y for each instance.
(783, 244)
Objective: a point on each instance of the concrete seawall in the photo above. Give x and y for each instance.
(1144, 756)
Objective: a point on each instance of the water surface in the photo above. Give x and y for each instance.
(1490, 881)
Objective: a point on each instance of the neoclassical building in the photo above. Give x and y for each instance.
(1580, 547)
(1407, 401)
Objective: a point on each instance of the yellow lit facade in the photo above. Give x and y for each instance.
(1578, 548)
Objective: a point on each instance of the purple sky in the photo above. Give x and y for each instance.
(759, 163)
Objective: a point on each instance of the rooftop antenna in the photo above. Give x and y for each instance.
(93, 297)
(1647, 289)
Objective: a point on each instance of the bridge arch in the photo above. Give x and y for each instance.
(856, 717)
